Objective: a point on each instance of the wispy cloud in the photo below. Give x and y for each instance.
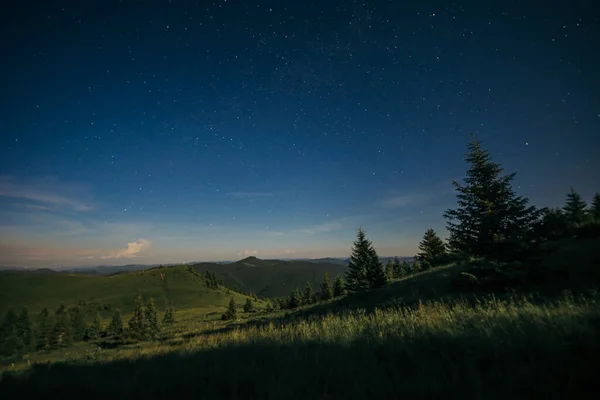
(336, 224)
(46, 192)
(404, 200)
(249, 253)
(131, 251)
(33, 207)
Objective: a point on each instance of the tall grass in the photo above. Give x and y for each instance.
(492, 348)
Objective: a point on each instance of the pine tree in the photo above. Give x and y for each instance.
(137, 324)
(77, 324)
(307, 294)
(24, 330)
(490, 220)
(404, 268)
(231, 312)
(389, 270)
(552, 225)
(168, 318)
(339, 287)
(575, 211)
(396, 268)
(375, 273)
(433, 250)
(295, 299)
(595, 208)
(115, 329)
(364, 270)
(43, 329)
(10, 342)
(95, 329)
(248, 305)
(326, 288)
(416, 266)
(151, 320)
(61, 334)
(269, 308)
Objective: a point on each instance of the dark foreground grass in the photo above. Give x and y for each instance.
(494, 349)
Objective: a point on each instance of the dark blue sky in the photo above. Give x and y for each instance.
(191, 130)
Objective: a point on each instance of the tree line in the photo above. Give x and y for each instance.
(490, 222)
(48, 331)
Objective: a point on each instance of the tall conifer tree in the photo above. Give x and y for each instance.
(326, 288)
(364, 270)
(575, 211)
(490, 220)
(433, 250)
(115, 329)
(339, 286)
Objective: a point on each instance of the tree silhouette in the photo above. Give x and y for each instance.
(326, 288)
(248, 305)
(433, 250)
(490, 220)
(43, 330)
(307, 294)
(95, 329)
(151, 320)
(231, 312)
(137, 325)
(339, 287)
(77, 323)
(364, 270)
(574, 211)
(25, 331)
(115, 329)
(389, 270)
(295, 299)
(168, 318)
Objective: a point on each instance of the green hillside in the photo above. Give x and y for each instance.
(271, 278)
(185, 289)
(399, 336)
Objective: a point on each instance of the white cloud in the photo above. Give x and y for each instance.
(250, 252)
(290, 251)
(131, 251)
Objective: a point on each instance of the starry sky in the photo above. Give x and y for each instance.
(171, 131)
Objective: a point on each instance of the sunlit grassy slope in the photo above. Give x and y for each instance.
(419, 337)
(181, 285)
(494, 349)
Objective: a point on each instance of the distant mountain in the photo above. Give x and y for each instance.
(346, 261)
(249, 262)
(111, 270)
(272, 278)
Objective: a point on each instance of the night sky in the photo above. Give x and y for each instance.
(174, 131)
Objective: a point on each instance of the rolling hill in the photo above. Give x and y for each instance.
(271, 278)
(180, 285)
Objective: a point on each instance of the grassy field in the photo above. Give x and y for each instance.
(491, 349)
(420, 336)
(183, 287)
